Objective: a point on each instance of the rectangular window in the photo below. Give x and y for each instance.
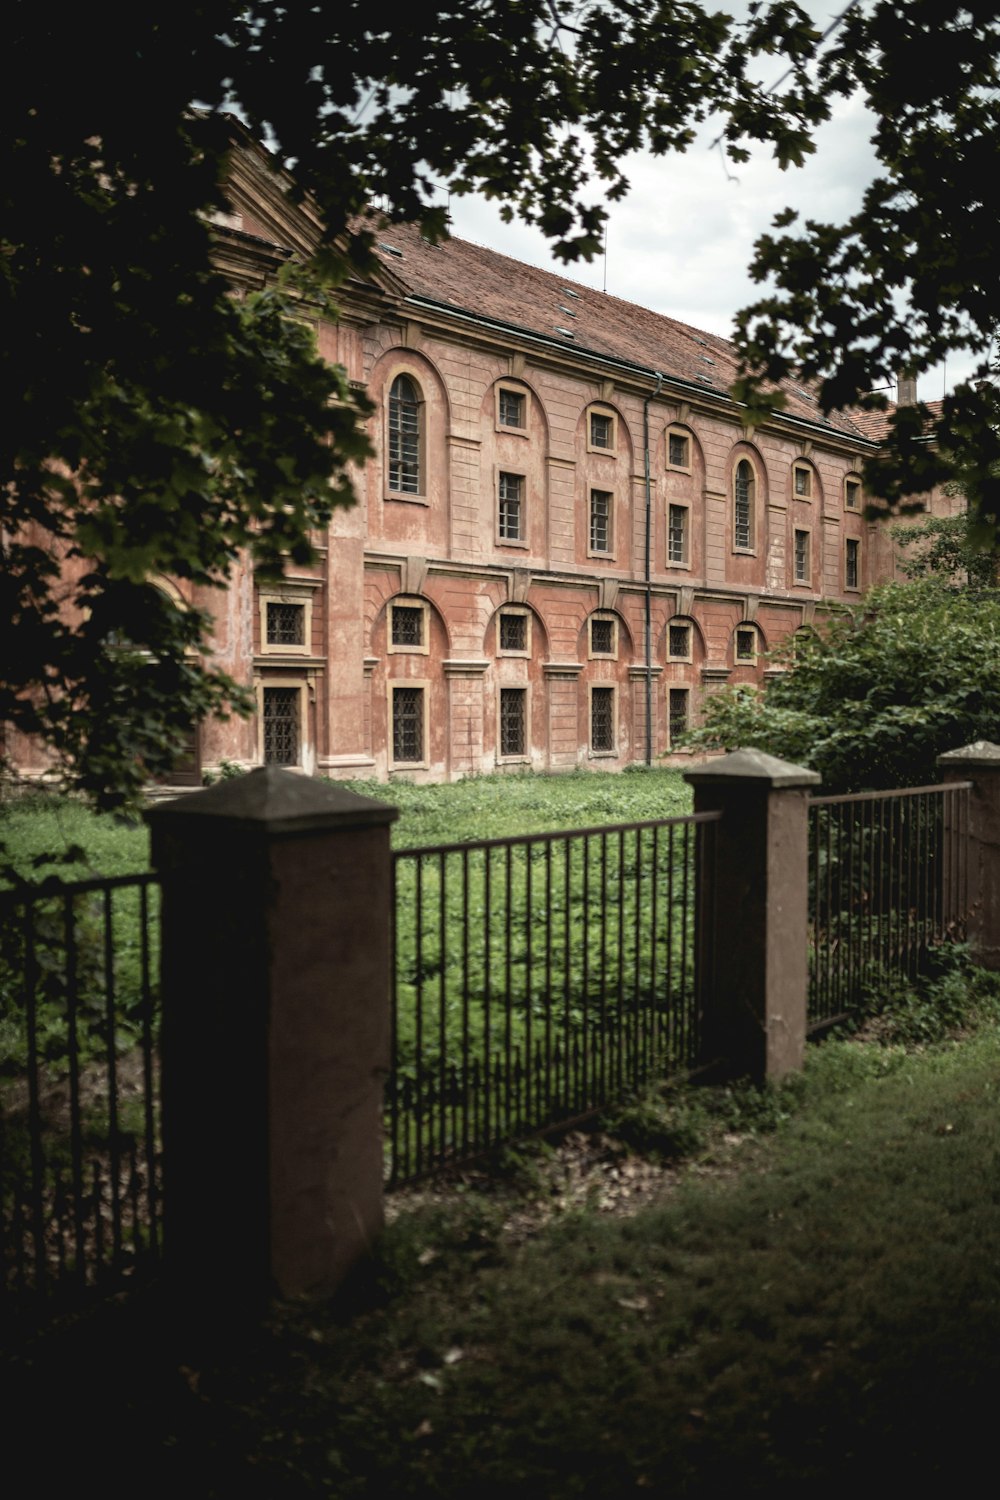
(679, 642)
(746, 644)
(407, 625)
(510, 522)
(600, 521)
(852, 549)
(407, 724)
(281, 726)
(801, 557)
(286, 624)
(678, 450)
(602, 637)
(803, 482)
(678, 709)
(602, 720)
(510, 409)
(602, 430)
(513, 632)
(852, 494)
(677, 533)
(513, 721)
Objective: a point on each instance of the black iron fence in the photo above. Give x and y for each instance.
(538, 978)
(79, 1112)
(888, 883)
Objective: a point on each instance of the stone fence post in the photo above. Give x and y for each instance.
(980, 764)
(755, 1007)
(275, 1047)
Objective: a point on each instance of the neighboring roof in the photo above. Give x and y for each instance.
(875, 424)
(482, 283)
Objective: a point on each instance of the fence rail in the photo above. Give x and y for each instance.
(888, 883)
(79, 1108)
(537, 978)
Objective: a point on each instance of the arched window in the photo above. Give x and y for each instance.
(404, 436)
(744, 485)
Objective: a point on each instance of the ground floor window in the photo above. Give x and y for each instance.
(602, 720)
(407, 724)
(282, 732)
(678, 712)
(513, 721)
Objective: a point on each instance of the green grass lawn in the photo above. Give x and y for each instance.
(803, 1310)
(479, 808)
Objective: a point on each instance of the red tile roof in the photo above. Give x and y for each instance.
(483, 283)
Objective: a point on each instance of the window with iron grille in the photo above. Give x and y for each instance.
(281, 726)
(852, 493)
(679, 642)
(602, 430)
(801, 557)
(510, 408)
(602, 719)
(511, 502)
(677, 533)
(679, 450)
(743, 488)
(513, 721)
(513, 632)
(600, 521)
(404, 437)
(746, 644)
(852, 547)
(678, 709)
(286, 624)
(803, 482)
(602, 637)
(407, 625)
(407, 724)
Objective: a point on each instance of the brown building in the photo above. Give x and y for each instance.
(568, 536)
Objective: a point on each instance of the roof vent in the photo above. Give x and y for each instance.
(568, 291)
(566, 332)
(706, 360)
(568, 311)
(391, 250)
(707, 379)
(702, 342)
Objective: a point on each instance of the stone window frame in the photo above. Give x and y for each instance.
(852, 542)
(804, 474)
(400, 684)
(804, 579)
(613, 750)
(677, 688)
(598, 409)
(522, 539)
(419, 495)
(511, 388)
(301, 685)
(746, 628)
(522, 612)
(605, 617)
(675, 430)
(674, 623)
(681, 505)
(748, 549)
(853, 484)
(524, 754)
(407, 601)
(287, 592)
(608, 552)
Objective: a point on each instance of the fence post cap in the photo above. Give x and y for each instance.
(276, 801)
(753, 765)
(979, 753)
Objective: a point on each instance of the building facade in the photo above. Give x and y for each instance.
(567, 539)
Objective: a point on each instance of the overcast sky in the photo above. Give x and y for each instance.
(681, 242)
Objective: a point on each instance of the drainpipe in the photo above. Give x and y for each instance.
(649, 525)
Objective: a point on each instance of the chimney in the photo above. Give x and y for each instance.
(906, 390)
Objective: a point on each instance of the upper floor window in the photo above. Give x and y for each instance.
(603, 636)
(514, 632)
(745, 648)
(285, 623)
(285, 618)
(679, 641)
(678, 450)
(510, 507)
(801, 557)
(600, 521)
(802, 481)
(677, 534)
(744, 494)
(602, 431)
(852, 493)
(404, 436)
(852, 549)
(408, 626)
(512, 407)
